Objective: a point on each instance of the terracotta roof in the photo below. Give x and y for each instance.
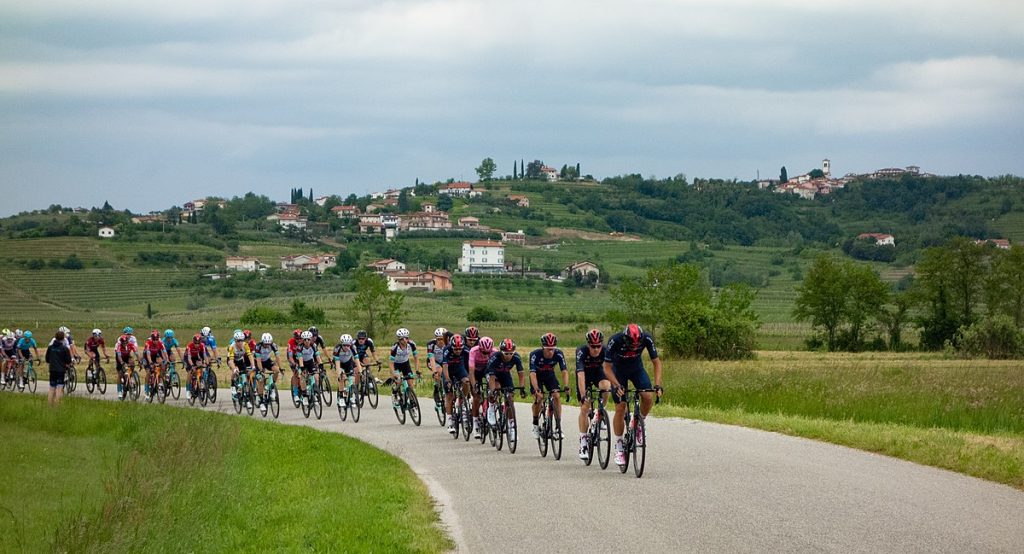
(483, 243)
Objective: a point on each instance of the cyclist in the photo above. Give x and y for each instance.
(154, 358)
(266, 356)
(8, 353)
(68, 341)
(623, 364)
(435, 349)
(542, 377)
(454, 365)
(365, 348)
(401, 352)
(346, 360)
(499, 372)
(292, 356)
(210, 342)
(318, 340)
(589, 373)
(478, 356)
(309, 359)
(171, 346)
(195, 359)
(131, 335)
(239, 359)
(124, 351)
(250, 339)
(93, 345)
(471, 336)
(26, 345)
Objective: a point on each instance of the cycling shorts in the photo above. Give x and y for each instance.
(503, 379)
(405, 368)
(635, 374)
(547, 380)
(348, 367)
(457, 374)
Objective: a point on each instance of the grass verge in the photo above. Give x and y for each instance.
(96, 476)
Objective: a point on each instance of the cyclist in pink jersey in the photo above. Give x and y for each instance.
(478, 356)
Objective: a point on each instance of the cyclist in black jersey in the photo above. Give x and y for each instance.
(589, 373)
(543, 362)
(623, 365)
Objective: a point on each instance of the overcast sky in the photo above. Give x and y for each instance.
(150, 105)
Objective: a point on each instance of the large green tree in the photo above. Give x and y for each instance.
(839, 298)
(378, 307)
(1004, 289)
(486, 169)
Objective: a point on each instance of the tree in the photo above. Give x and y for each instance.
(867, 294)
(375, 303)
(403, 201)
(444, 202)
(486, 169)
(816, 174)
(894, 317)
(822, 298)
(643, 299)
(533, 170)
(1004, 289)
(783, 175)
(515, 174)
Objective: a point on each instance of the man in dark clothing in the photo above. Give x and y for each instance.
(58, 355)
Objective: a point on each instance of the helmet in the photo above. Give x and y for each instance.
(486, 344)
(440, 332)
(267, 338)
(18, 333)
(595, 337)
(306, 335)
(128, 330)
(64, 330)
(633, 333)
(154, 334)
(124, 338)
(297, 333)
(548, 340)
(236, 331)
(169, 333)
(346, 339)
(507, 345)
(247, 333)
(457, 342)
(402, 333)
(97, 333)
(6, 331)
(472, 332)
(205, 331)
(238, 335)
(314, 330)
(28, 334)
(197, 337)
(361, 334)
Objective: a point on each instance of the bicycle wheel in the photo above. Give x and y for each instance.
(439, 404)
(639, 448)
(162, 384)
(306, 405)
(90, 379)
(249, 397)
(356, 405)
(318, 406)
(275, 403)
(211, 387)
(325, 389)
(511, 428)
(372, 394)
(30, 379)
(500, 428)
(542, 437)
(414, 406)
(193, 391)
(604, 440)
(135, 385)
(342, 409)
(101, 380)
(456, 419)
(398, 403)
(236, 396)
(175, 385)
(467, 420)
(71, 380)
(556, 437)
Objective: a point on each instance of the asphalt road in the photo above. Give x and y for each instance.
(707, 487)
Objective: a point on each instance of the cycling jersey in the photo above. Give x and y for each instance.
(401, 355)
(498, 364)
(8, 345)
(125, 347)
(306, 353)
(25, 343)
(539, 363)
(435, 350)
(240, 354)
(195, 351)
(265, 351)
(344, 354)
(93, 344)
(154, 347)
(621, 351)
(453, 360)
(366, 346)
(478, 358)
(592, 367)
(318, 341)
(210, 341)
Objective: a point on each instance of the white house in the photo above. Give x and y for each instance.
(429, 281)
(482, 256)
(581, 267)
(106, 232)
(243, 263)
(292, 220)
(469, 222)
(881, 239)
(426, 221)
(549, 173)
(461, 188)
(307, 262)
(383, 266)
(345, 212)
(518, 237)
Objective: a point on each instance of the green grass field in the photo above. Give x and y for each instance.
(97, 476)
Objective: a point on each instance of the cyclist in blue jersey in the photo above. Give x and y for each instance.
(454, 366)
(589, 373)
(499, 373)
(209, 341)
(542, 376)
(623, 365)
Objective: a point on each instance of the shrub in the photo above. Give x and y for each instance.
(301, 313)
(483, 313)
(262, 315)
(996, 337)
(72, 262)
(36, 264)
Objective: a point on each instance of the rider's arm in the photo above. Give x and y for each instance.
(580, 382)
(610, 375)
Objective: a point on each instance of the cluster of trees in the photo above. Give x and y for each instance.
(676, 302)
(965, 296)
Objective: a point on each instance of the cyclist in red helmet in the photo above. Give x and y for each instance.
(499, 372)
(589, 373)
(623, 365)
(542, 377)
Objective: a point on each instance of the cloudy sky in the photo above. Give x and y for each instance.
(149, 104)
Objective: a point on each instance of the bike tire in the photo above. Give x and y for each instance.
(414, 406)
(467, 421)
(542, 438)
(236, 396)
(356, 406)
(342, 411)
(398, 403)
(639, 448)
(101, 380)
(373, 397)
(275, 403)
(90, 384)
(326, 393)
(318, 407)
(250, 398)
(161, 389)
(306, 408)
(604, 437)
(175, 385)
(30, 379)
(556, 437)
(500, 427)
(211, 387)
(512, 428)
(439, 404)
(70, 380)
(456, 420)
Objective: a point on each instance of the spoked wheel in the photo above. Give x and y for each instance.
(101, 381)
(511, 429)
(162, 385)
(413, 405)
(275, 402)
(438, 405)
(71, 380)
(627, 447)
(556, 437)
(30, 377)
(296, 398)
(236, 396)
(604, 441)
(356, 405)
(467, 421)
(397, 402)
(542, 437)
(318, 407)
(306, 406)
(372, 395)
(639, 448)
(90, 379)
(456, 419)
(500, 428)
(175, 386)
(135, 385)
(326, 394)
(211, 387)
(250, 398)
(342, 408)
